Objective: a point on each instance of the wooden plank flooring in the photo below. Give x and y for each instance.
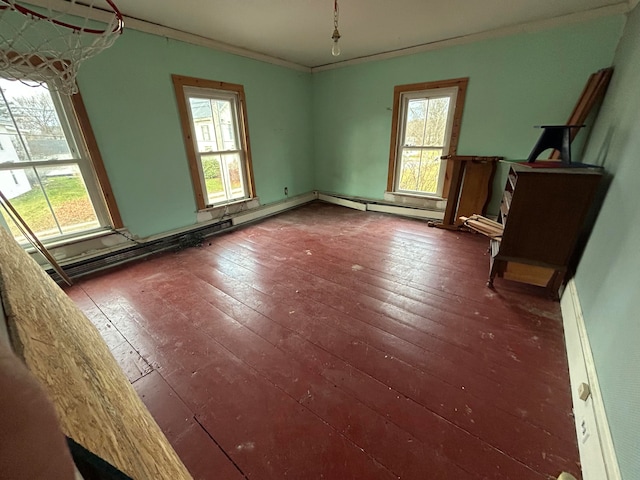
(337, 344)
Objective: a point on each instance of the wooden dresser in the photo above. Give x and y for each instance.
(543, 211)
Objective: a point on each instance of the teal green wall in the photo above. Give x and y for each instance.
(329, 131)
(516, 82)
(608, 277)
(131, 103)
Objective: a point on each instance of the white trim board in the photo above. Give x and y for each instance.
(342, 202)
(597, 453)
(364, 204)
(406, 211)
(273, 208)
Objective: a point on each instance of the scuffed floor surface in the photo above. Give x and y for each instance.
(328, 343)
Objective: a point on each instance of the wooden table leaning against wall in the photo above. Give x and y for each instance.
(469, 187)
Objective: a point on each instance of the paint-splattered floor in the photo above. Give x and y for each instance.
(337, 344)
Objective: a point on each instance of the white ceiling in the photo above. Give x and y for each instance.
(299, 31)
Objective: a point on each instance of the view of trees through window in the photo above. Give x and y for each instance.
(425, 126)
(40, 168)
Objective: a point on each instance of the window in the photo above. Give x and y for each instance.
(220, 160)
(426, 126)
(206, 135)
(45, 168)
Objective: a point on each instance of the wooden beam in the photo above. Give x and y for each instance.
(96, 159)
(484, 226)
(455, 184)
(592, 94)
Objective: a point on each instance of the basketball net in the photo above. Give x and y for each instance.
(47, 44)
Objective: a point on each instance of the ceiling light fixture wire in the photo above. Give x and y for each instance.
(335, 49)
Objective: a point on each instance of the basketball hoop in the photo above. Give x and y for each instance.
(47, 44)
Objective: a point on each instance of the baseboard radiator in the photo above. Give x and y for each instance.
(140, 250)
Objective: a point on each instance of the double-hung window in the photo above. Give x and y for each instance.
(426, 121)
(215, 130)
(46, 171)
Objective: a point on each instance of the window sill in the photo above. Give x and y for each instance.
(416, 200)
(70, 240)
(83, 245)
(218, 212)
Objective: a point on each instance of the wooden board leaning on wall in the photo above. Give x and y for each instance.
(96, 404)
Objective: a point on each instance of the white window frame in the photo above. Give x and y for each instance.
(232, 98)
(452, 94)
(70, 121)
(455, 89)
(188, 87)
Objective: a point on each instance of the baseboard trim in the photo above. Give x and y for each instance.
(597, 453)
(364, 204)
(406, 211)
(273, 208)
(344, 202)
(115, 249)
(124, 251)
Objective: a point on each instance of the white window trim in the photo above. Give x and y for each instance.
(462, 85)
(81, 157)
(193, 155)
(232, 97)
(452, 93)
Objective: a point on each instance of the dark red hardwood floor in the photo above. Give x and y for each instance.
(328, 343)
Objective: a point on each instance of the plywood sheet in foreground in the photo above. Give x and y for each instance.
(96, 404)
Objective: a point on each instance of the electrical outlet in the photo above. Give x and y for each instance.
(583, 431)
(286, 190)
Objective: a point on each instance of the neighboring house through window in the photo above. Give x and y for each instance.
(46, 171)
(426, 126)
(220, 159)
(206, 135)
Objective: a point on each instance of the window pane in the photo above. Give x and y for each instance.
(29, 111)
(11, 148)
(202, 117)
(213, 178)
(51, 200)
(426, 122)
(213, 124)
(68, 197)
(419, 170)
(415, 122)
(234, 172)
(223, 177)
(23, 190)
(223, 121)
(437, 121)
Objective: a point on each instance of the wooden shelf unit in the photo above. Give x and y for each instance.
(543, 211)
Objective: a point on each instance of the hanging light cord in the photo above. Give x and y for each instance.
(335, 50)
